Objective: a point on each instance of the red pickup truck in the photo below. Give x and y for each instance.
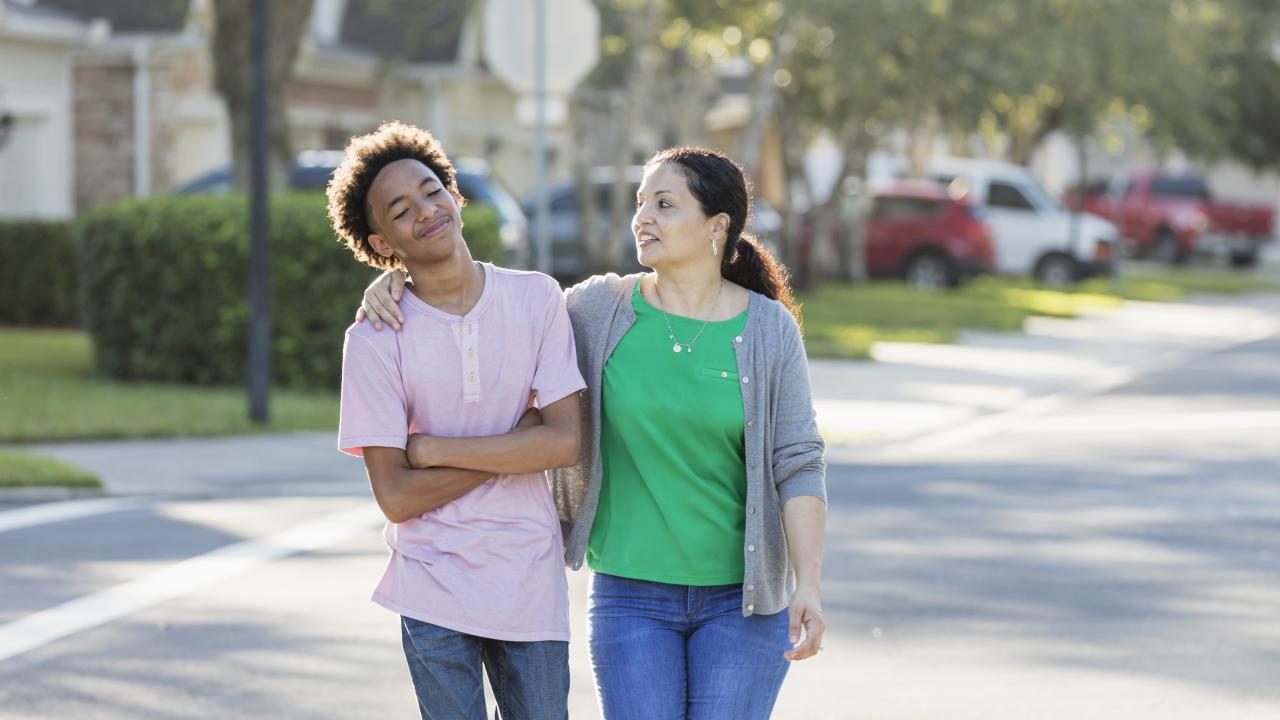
(1171, 216)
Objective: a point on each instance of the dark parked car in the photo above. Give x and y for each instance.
(475, 181)
(568, 260)
(923, 235)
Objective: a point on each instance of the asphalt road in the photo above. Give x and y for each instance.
(1119, 558)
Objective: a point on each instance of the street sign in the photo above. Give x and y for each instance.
(572, 41)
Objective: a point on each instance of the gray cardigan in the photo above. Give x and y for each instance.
(782, 445)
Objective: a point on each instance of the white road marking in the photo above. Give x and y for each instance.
(69, 510)
(183, 578)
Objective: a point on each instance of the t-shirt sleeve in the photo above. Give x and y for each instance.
(374, 411)
(556, 375)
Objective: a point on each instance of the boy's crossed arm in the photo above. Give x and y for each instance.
(552, 444)
(405, 491)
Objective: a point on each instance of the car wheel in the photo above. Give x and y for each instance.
(930, 271)
(1244, 258)
(1056, 271)
(1168, 250)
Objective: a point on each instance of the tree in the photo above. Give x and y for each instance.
(232, 67)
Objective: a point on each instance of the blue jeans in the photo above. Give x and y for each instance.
(683, 652)
(530, 679)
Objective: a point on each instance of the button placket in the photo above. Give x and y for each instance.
(466, 335)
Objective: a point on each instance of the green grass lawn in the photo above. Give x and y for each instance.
(844, 321)
(48, 392)
(21, 470)
(1158, 283)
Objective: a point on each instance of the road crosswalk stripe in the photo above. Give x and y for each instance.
(188, 576)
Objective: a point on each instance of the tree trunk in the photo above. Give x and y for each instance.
(646, 58)
(795, 255)
(232, 65)
(586, 116)
(857, 144)
(764, 98)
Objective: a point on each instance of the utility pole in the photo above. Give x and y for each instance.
(259, 361)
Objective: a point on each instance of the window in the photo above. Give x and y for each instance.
(1008, 197)
(903, 208)
(1179, 187)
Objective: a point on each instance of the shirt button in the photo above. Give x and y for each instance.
(751, 548)
(746, 379)
(752, 510)
(750, 423)
(751, 608)
(738, 339)
(471, 378)
(750, 588)
(724, 374)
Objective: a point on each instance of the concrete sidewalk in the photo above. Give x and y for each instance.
(913, 398)
(252, 465)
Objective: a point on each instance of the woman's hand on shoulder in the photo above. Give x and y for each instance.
(381, 302)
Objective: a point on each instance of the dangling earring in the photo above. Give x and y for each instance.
(715, 252)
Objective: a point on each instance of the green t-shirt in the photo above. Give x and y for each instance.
(671, 444)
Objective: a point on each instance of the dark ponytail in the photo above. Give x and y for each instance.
(721, 187)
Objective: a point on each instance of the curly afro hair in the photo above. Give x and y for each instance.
(366, 155)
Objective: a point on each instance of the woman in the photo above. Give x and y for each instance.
(700, 494)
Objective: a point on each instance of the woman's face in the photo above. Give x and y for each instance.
(669, 226)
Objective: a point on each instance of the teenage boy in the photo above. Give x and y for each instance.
(457, 465)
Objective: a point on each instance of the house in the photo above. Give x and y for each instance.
(114, 100)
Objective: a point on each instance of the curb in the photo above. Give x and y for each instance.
(48, 493)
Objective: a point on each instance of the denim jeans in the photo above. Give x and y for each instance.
(530, 680)
(681, 652)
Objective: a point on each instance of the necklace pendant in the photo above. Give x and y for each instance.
(675, 348)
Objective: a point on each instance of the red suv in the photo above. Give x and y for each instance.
(922, 234)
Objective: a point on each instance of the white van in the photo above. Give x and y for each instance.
(1032, 232)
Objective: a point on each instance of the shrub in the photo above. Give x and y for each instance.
(38, 274)
(165, 288)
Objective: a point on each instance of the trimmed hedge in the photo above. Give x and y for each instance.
(165, 288)
(38, 274)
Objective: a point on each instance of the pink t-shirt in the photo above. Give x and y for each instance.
(490, 563)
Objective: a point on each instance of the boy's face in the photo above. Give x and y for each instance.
(413, 216)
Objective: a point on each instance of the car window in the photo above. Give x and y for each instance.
(310, 177)
(903, 208)
(487, 190)
(1003, 195)
(564, 201)
(604, 191)
(1179, 187)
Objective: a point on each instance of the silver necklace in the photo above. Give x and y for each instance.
(678, 346)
